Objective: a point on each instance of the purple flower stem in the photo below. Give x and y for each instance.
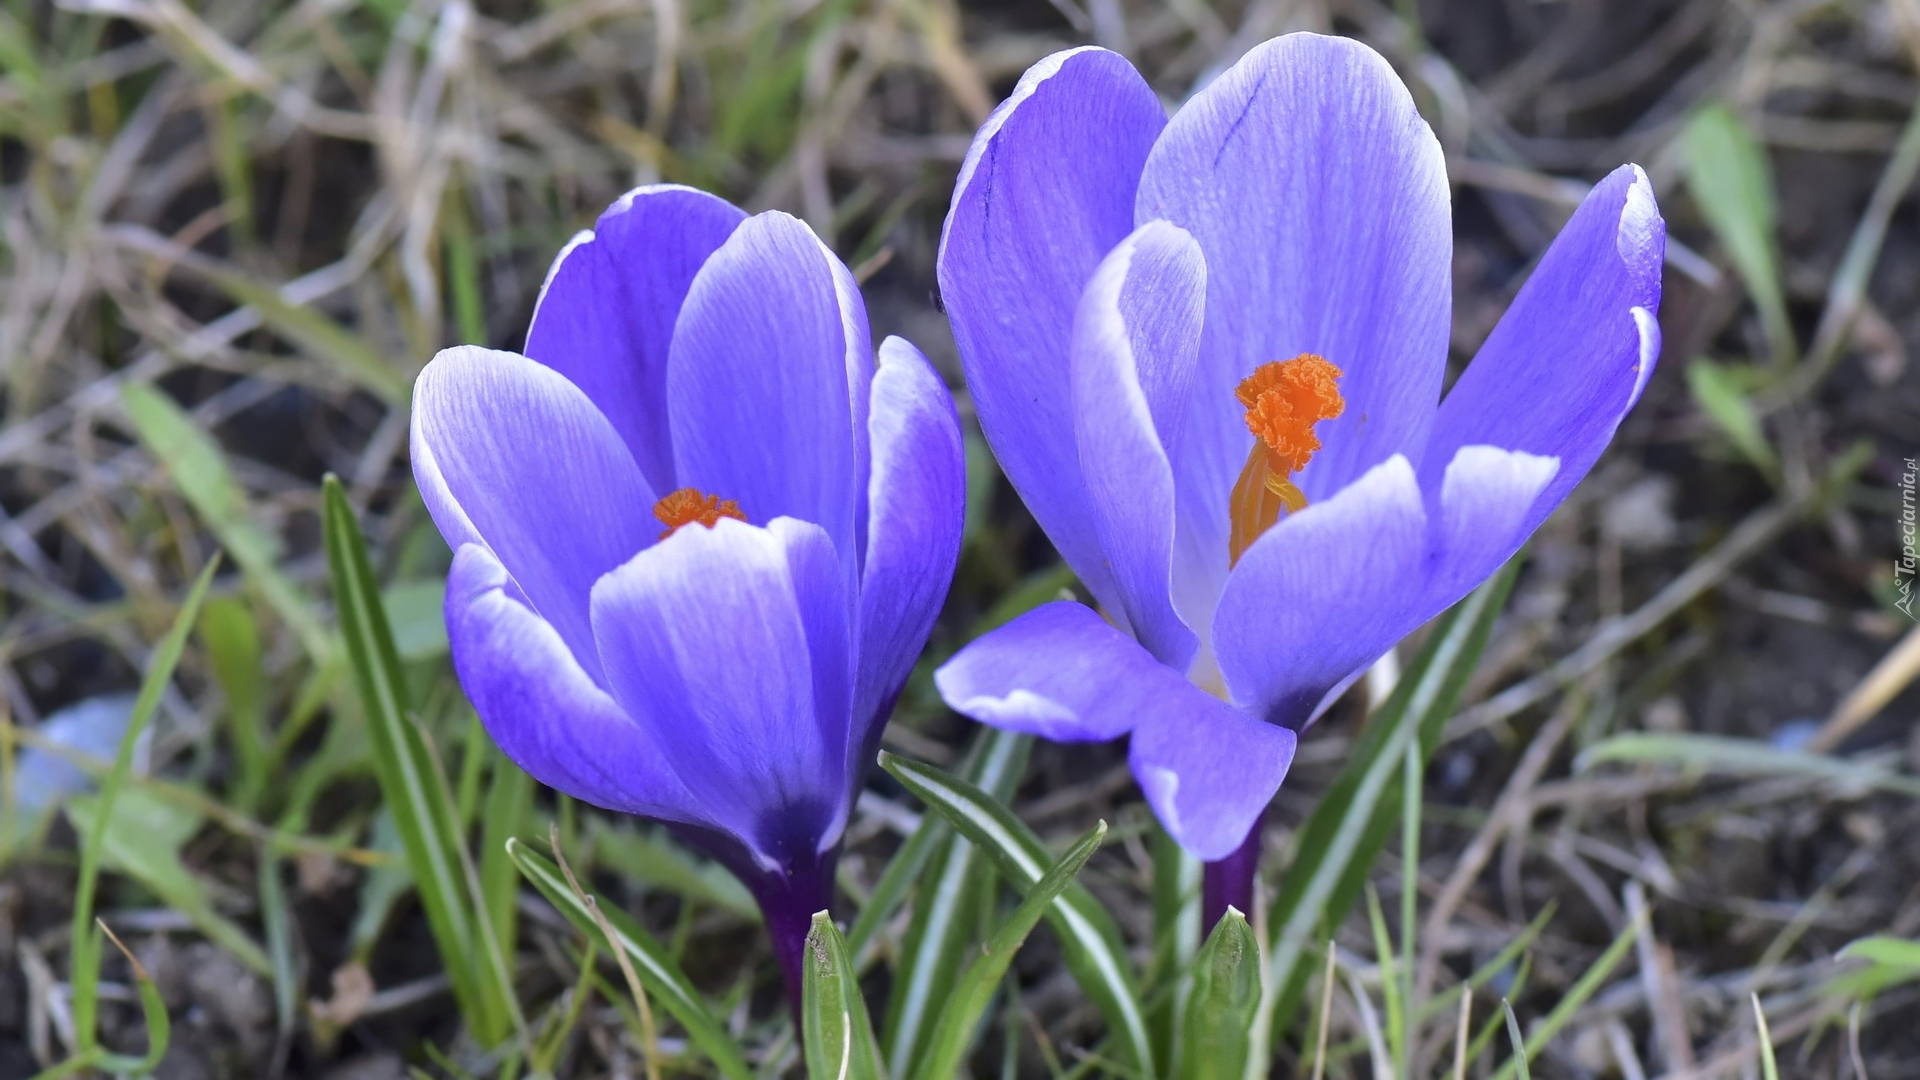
(788, 904)
(1229, 881)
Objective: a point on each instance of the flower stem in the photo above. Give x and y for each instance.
(1229, 881)
(788, 904)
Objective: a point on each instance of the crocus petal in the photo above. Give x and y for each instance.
(1209, 773)
(1045, 192)
(917, 493)
(606, 313)
(541, 707)
(1320, 198)
(1486, 504)
(1135, 339)
(758, 380)
(1062, 673)
(1572, 354)
(508, 453)
(1323, 594)
(721, 644)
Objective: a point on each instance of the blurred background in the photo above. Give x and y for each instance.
(231, 231)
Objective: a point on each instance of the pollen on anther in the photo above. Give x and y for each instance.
(688, 506)
(1284, 399)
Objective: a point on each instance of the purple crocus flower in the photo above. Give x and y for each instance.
(1208, 352)
(700, 535)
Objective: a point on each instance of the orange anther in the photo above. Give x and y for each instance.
(688, 506)
(1284, 399)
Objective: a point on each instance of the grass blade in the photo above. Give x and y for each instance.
(1733, 187)
(84, 951)
(838, 1036)
(656, 971)
(1576, 996)
(199, 469)
(159, 1026)
(946, 905)
(997, 763)
(1088, 936)
(1746, 757)
(1769, 1068)
(413, 785)
(1520, 1055)
(960, 1017)
(1225, 1000)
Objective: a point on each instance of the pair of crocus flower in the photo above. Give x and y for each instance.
(701, 535)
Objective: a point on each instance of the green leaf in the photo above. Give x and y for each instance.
(1747, 757)
(1769, 1068)
(1570, 1003)
(643, 856)
(1721, 392)
(656, 970)
(1887, 951)
(232, 638)
(414, 788)
(142, 840)
(1218, 1025)
(1520, 1055)
(1733, 187)
(311, 331)
(84, 950)
(952, 878)
(416, 610)
(153, 1008)
(1089, 939)
(199, 469)
(1357, 815)
(960, 1013)
(838, 1037)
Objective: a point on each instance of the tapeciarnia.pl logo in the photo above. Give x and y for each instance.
(1903, 567)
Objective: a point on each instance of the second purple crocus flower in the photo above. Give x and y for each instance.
(700, 535)
(1209, 352)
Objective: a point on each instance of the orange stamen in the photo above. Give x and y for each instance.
(1283, 399)
(688, 506)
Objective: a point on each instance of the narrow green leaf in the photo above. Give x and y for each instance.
(1577, 995)
(1356, 817)
(946, 904)
(413, 786)
(996, 762)
(656, 970)
(1890, 951)
(1520, 1055)
(1769, 1068)
(838, 1037)
(509, 803)
(232, 639)
(311, 331)
(960, 1014)
(199, 469)
(1389, 979)
(1721, 392)
(416, 610)
(84, 947)
(1746, 757)
(153, 1009)
(1176, 941)
(143, 841)
(641, 855)
(1090, 940)
(1733, 187)
(1218, 1027)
